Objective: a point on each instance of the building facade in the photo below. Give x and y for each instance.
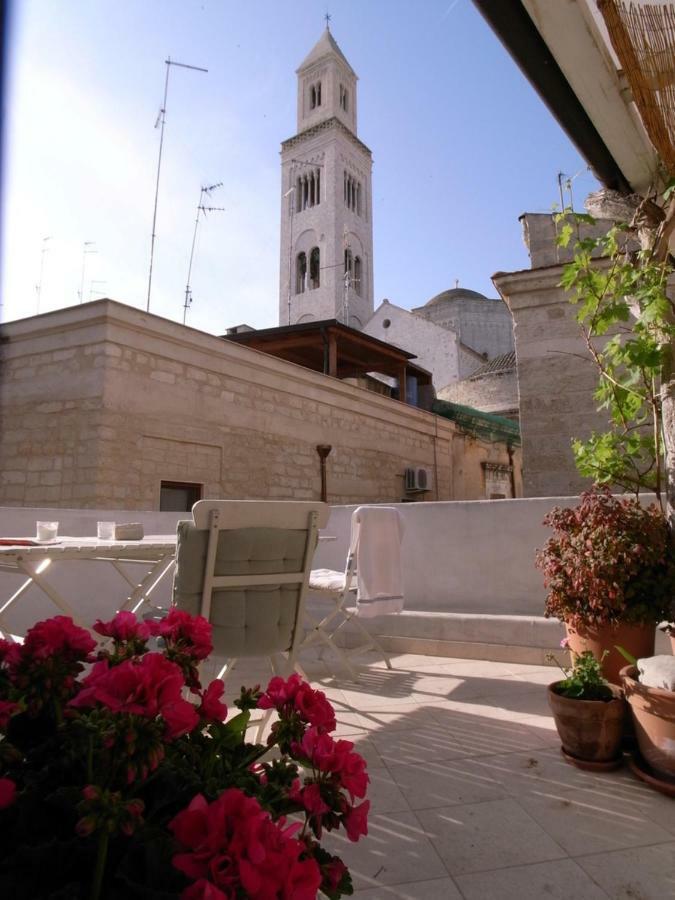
(105, 406)
(326, 262)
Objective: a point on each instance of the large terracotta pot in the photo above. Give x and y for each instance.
(589, 730)
(653, 712)
(638, 640)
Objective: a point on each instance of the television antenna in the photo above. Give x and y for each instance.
(205, 192)
(161, 121)
(86, 251)
(38, 286)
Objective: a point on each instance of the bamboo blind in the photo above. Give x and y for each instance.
(643, 37)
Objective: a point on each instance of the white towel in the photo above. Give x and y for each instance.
(377, 536)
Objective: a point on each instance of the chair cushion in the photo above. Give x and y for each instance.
(326, 580)
(247, 621)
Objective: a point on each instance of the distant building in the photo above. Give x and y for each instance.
(326, 265)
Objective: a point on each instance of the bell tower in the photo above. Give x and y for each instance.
(326, 266)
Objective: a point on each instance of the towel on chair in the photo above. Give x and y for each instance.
(378, 574)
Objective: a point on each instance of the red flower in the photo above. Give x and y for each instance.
(211, 707)
(333, 873)
(58, 636)
(313, 707)
(7, 792)
(189, 634)
(7, 709)
(149, 686)
(356, 820)
(123, 627)
(295, 695)
(234, 844)
(336, 758)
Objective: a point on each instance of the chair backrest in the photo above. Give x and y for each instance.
(244, 565)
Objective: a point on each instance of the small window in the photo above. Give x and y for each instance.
(314, 269)
(300, 273)
(386, 323)
(344, 102)
(178, 496)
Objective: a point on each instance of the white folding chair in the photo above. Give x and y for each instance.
(244, 565)
(376, 533)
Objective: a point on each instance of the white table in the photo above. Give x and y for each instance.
(156, 553)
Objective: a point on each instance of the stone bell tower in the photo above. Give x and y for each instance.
(326, 266)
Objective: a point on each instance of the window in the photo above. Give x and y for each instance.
(308, 190)
(314, 269)
(357, 275)
(344, 102)
(178, 496)
(349, 267)
(300, 273)
(352, 193)
(315, 95)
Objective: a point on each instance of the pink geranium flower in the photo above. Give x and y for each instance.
(189, 634)
(233, 844)
(356, 820)
(148, 687)
(123, 627)
(212, 709)
(58, 636)
(7, 792)
(294, 695)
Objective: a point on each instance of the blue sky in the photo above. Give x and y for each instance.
(461, 145)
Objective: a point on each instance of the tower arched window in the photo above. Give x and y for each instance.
(344, 98)
(314, 269)
(300, 273)
(349, 266)
(315, 95)
(357, 275)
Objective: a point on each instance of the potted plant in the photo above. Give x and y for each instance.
(610, 574)
(122, 777)
(588, 713)
(649, 689)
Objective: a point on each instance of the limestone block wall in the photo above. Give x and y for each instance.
(102, 402)
(556, 380)
(496, 393)
(436, 348)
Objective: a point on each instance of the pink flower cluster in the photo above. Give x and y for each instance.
(336, 769)
(148, 686)
(231, 848)
(295, 697)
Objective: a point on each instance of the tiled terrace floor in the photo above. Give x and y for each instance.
(471, 799)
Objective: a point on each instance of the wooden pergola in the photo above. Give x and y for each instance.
(330, 347)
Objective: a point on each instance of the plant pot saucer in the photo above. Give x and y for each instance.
(645, 773)
(591, 765)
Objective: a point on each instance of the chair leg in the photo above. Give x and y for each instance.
(373, 640)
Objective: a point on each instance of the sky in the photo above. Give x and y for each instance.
(461, 143)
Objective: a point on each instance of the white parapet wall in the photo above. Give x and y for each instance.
(471, 586)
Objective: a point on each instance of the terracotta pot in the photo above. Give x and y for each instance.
(653, 712)
(638, 640)
(589, 729)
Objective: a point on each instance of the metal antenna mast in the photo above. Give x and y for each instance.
(85, 253)
(38, 286)
(161, 120)
(205, 192)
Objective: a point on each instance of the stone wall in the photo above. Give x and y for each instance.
(556, 380)
(102, 402)
(496, 393)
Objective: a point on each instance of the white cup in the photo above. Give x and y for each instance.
(105, 531)
(47, 531)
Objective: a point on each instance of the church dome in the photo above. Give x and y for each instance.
(455, 294)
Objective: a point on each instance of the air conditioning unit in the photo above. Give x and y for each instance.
(417, 479)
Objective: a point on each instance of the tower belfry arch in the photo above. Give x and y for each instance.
(326, 268)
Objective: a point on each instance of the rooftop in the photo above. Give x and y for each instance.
(471, 798)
